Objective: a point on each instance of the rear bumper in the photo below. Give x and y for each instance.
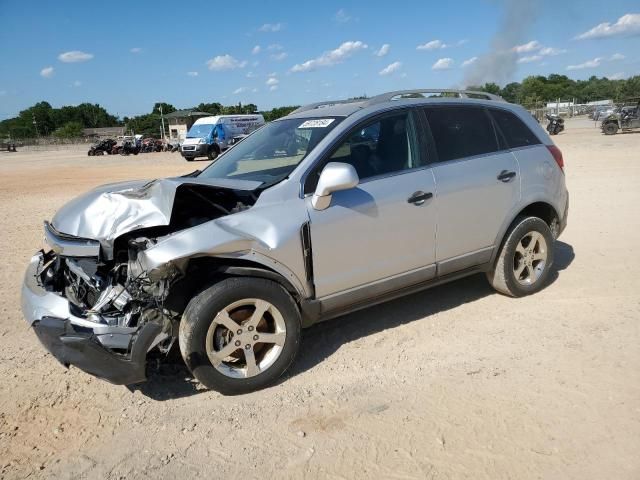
(113, 353)
(565, 216)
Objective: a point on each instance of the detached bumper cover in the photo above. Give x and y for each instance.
(83, 343)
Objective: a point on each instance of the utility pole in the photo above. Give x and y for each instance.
(35, 124)
(162, 120)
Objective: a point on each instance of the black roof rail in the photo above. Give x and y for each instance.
(327, 103)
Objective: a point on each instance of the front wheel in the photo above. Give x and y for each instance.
(525, 258)
(213, 154)
(240, 335)
(610, 128)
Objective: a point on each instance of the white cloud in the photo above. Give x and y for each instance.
(275, 47)
(443, 64)
(77, 83)
(384, 49)
(278, 57)
(432, 45)
(47, 72)
(272, 81)
(225, 62)
(136, 50)
(255, 90)
(272, 74)
(75, 56)
(527, 47)
(271, 27)
(389, 69)
(588, 64)
(192, 74)
(273, 88)
(330, 58)
(617, 56)
(342, 16)
(469, 61)
(551, 51)
(250, 75)
(256, 50)
(616, 76)
(240, 90)
(628, 24)
(530, 59)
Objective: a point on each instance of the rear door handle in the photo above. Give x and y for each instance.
(506, 176)
(419, 197)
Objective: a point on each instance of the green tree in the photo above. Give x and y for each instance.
(166, 108)
(69, 130)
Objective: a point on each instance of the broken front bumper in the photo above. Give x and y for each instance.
(86, 344)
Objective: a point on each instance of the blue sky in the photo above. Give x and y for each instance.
(128, 55)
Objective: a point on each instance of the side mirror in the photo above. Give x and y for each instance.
(335, 177)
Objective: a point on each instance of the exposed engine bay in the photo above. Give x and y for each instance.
(118, 291)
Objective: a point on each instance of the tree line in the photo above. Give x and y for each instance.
(43, 120)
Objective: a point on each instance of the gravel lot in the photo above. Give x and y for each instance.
(455, 382)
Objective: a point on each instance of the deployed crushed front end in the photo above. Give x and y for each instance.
(93, 314)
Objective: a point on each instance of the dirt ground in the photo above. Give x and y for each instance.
(455, 382)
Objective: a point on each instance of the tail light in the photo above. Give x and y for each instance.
(557, 155)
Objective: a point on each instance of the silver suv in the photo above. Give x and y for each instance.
(336, 207)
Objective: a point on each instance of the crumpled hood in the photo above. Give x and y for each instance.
(111, 210)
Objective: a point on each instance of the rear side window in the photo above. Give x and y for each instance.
(460, 132)
(516, 133)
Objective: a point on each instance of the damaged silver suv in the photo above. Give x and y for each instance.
(336, 207)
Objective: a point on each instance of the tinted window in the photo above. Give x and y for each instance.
(516, 133)
(377, 148)
(461, 132)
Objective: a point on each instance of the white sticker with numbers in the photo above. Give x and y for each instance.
(318, 123)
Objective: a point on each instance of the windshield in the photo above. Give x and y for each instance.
(273, 152)
(202, 130)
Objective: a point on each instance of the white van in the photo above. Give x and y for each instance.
(210, 136)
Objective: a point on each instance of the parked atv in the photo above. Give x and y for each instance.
(556, 124)
(103, 147)
(129, 148)
(625, 118)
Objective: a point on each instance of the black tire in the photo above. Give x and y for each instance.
(189, 159)
(213, 154)
(610, 128)
(199, 316)
(503, 277)
(91, 153)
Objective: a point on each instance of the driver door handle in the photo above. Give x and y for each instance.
(419, 197)
(506, 176)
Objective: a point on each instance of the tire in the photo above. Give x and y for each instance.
(91, 153)
(236, 300)
(189, 159)
(610, 128)
(522, 268)
(213, 154)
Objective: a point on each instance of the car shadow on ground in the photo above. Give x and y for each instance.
(170, 378)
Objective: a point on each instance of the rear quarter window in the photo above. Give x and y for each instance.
(460, 132)
(515, 132)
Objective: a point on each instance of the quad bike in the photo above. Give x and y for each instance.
(625, 118)
(128, 148)
(103, 147)
(556, 124)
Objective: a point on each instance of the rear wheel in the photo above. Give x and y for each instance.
(525, 259)
(213, 154)
(240, 335)
(610, 128)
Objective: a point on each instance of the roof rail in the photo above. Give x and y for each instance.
(418, 93)
(327, 103)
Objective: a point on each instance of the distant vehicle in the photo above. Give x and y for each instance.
(210, 136)
(625, 118)
(601, 112)
(103, 147)
(556, 124)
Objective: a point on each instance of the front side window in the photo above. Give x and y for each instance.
(273, 152)
(460, 132)
(380, 147)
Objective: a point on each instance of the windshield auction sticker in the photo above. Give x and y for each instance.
(318, 123)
